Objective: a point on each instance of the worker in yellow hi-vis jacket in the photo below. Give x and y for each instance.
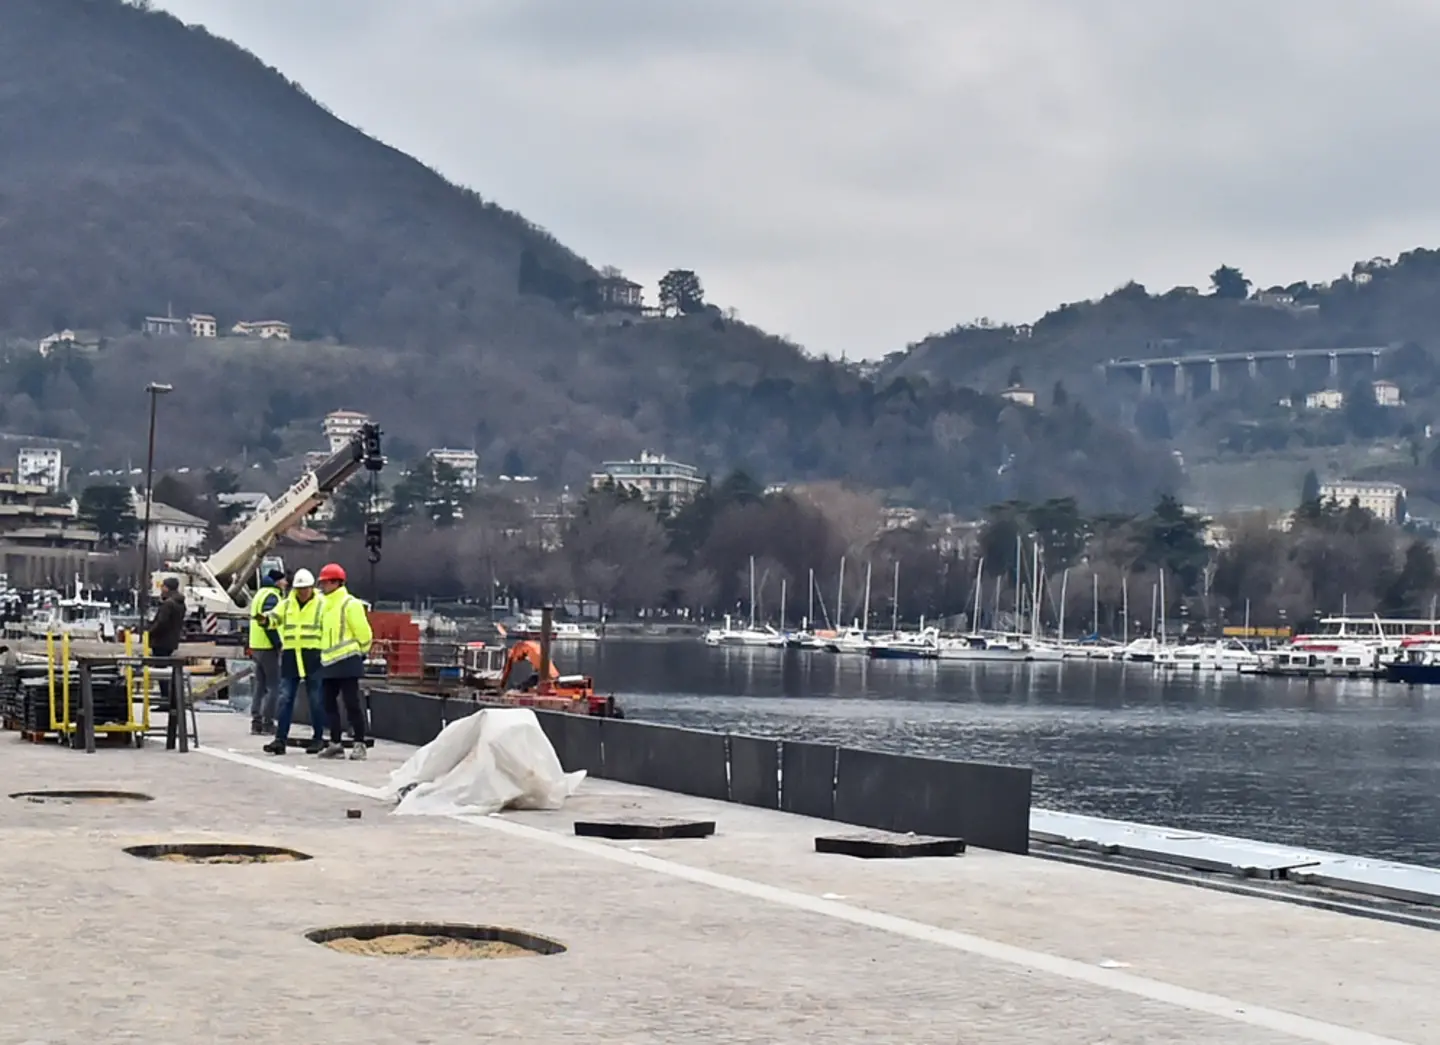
(345, 637)
(298, 621)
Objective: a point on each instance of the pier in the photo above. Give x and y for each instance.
(749, 935)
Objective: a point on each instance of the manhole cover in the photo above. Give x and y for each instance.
(429, 940)
(217, 853)
(72, 797)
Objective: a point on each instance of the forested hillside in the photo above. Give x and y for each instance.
(150, 165)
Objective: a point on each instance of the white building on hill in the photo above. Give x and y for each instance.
(1381, 499)
(465, 462)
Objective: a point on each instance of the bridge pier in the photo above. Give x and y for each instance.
(1254, 365)
(1181, 388)
(1214, 375)
(1290, 359)
(1374, 360)
(1144, 379)
(1334, 365)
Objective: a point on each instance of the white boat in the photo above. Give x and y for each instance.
(79, 616)
(1143, 651)
(1226, 655)
(848, 640)
(532, 624)
(729, 635)
(906, 645)
(1014, 649)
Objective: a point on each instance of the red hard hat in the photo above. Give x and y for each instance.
(332, 571)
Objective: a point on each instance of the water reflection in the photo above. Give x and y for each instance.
(1347, 765)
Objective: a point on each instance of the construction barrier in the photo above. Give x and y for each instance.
(987, 805)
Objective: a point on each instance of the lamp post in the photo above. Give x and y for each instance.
(155, 391)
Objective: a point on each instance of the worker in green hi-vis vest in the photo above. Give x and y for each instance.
(265, 652)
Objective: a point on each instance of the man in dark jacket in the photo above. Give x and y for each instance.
(168, 625)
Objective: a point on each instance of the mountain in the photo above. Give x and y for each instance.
(150, 165)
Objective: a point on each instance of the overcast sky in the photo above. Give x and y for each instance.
(856, 174)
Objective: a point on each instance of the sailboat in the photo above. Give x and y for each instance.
(852, 639)
(904, 645)
(751, 635)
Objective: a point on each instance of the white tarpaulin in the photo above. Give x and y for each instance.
(497, 758)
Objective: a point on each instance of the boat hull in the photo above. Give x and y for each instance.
(1413, 674)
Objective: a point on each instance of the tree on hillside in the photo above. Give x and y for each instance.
(432, 490)
(681, 292)
(1152, 420)
(1176, 541)
(1227, 282)
(351, 508)
(180, 495)
(1310, 488)
(110, 512)
(1059, 397)
(1016, 378)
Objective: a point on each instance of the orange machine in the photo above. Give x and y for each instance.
(551, 690)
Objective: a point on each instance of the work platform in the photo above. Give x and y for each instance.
(748, 935)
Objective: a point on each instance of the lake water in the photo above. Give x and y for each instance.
(1344, 765)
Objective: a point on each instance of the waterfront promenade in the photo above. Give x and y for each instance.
(749, 936)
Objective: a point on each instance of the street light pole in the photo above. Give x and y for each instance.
(155, 391)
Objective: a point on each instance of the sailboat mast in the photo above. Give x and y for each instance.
(895, 603)
(979, 579)
(810, 608)
(1125, 608)
(1064, 586)
(752, 593)
(865, 624)
(1035, 593)
(1162, 607)
(839, 597)
(782, 605)
(1095, 603)
(1019, 581)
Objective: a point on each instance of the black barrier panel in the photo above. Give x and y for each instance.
(575, 738)
(687, 761)
(807, 779)
(755, 772)
(988, 806)
(404, 717)
(453, 709)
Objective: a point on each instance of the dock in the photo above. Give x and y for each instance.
(748, 935)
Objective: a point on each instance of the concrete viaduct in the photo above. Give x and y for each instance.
(1182, 365)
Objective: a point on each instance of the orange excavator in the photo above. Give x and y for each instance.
(547, 689)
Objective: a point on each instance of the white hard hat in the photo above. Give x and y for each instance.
(302, 579)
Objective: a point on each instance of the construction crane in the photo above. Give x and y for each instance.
(217, 585)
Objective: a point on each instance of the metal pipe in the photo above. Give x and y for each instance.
(155, 391)
(547, 617)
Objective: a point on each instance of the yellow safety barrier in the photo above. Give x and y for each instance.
(65, 684)
(58, 657)
(50, 673)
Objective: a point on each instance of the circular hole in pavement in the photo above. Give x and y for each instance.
(72, 797)
(434, 940)
(217, 853)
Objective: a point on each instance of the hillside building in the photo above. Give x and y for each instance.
(1325, 399)
(654, 477)
(1387, 393)
(340, 427)
(614, 291)
(40, 466)
(172, 532)
(265, 329)
(165, 326)
(202, 324)
(86, 340)
(1020, 396)
(465, 462)
(1383, 500)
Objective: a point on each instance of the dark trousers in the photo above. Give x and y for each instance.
(348, 690)
(285, 713)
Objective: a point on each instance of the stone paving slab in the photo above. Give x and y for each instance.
(735, 938)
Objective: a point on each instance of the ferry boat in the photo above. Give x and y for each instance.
(78, 615)
(1227, 655)
(1322, 658)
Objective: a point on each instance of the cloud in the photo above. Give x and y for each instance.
(856, 175)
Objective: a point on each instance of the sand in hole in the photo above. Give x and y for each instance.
(228, 858)
(411, 945)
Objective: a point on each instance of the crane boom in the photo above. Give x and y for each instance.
(239, 556)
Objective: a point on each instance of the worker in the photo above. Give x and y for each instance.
(345, 643)
(298, 618)
(265, 652)
(166, 628)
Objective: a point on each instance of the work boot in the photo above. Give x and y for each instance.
(257, 729)
(315, 746)
(358, 752)
(333, 751)
(275, 747)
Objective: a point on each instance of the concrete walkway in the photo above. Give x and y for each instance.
(749, 936)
